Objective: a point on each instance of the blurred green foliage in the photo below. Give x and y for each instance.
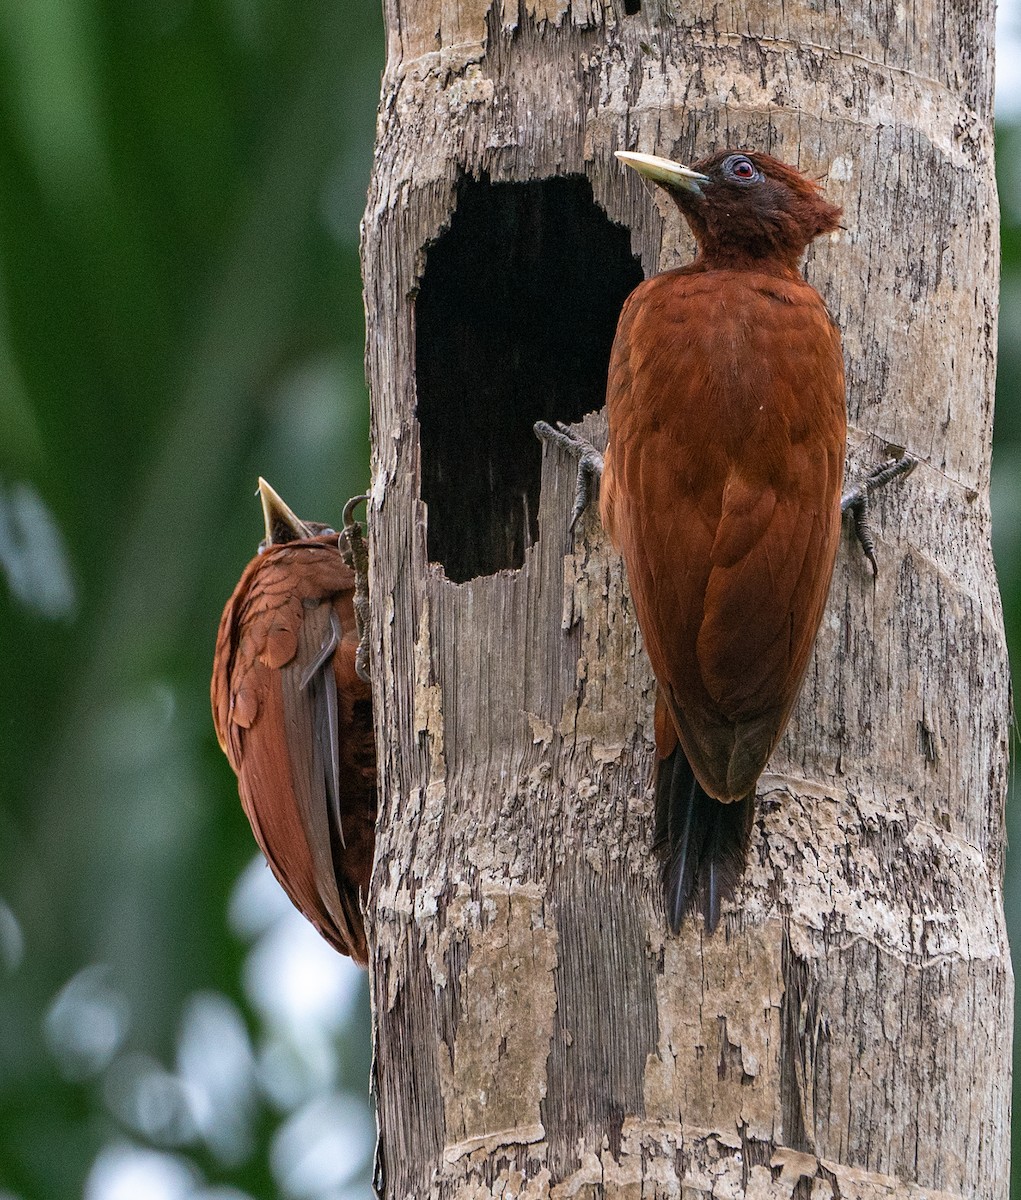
(180, 310)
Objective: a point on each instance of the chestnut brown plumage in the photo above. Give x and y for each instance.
(721, 489)
(295, 720)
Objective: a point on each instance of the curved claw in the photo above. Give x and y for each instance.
(879, 476)
(590, 463)
(859, 510)
(856, 500)
(350, 507)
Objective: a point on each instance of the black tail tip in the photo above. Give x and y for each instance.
(703, 842)
(704, 892)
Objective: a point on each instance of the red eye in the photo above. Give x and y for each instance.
(741, 169)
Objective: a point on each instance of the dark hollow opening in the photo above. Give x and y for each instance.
(514, 321)
(632, 6)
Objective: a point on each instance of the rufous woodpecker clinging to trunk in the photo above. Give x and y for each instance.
(293, 714)
(721, 488)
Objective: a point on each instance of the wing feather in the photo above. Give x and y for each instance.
(294, 719)
(725, 462)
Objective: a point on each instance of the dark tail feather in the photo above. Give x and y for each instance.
(703, 843)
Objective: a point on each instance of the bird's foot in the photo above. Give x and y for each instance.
(590, 462)
(856, 500)
(356, 555)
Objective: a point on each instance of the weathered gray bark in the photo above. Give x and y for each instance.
(538, 1033)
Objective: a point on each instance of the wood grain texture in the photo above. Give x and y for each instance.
(538, 1033)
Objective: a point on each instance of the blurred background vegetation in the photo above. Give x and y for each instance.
(181, 183)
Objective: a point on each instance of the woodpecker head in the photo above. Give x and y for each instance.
(743, 205)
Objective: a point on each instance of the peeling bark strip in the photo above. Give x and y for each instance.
(537, 1033)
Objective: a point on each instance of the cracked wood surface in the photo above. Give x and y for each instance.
(847, 1033)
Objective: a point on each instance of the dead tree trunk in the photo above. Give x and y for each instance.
(538, 1033)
